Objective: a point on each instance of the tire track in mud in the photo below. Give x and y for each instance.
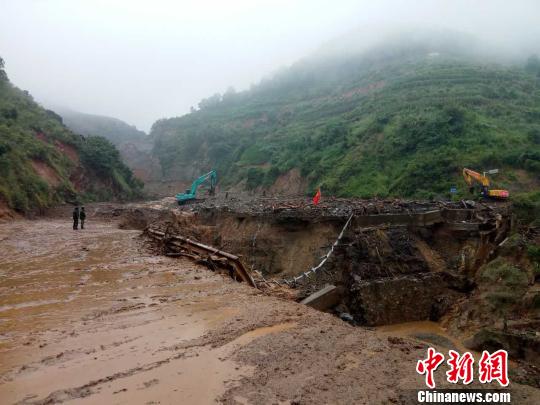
(85, 390)
(222, 351)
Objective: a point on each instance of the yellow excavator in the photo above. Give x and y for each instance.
(472, 178)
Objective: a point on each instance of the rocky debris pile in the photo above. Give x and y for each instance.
(301, 206)
(286, 208)
(330, 207)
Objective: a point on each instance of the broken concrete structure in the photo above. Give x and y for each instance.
(399, 260)
(325, 299)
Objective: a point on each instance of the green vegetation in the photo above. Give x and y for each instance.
(383, 123)
(533, 252)
(501, 272)
(115, 130)
(43, 163)
(527, 207)
(503, 283)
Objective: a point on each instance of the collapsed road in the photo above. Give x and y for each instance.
(98, 317)
(382, 262)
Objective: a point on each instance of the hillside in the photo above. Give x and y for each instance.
(42, 162)
(135, 146)
(115, 130)
(392, 121)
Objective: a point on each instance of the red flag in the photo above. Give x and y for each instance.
(317, 197)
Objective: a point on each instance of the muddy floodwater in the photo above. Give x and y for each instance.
(94, 317)
(88, 308)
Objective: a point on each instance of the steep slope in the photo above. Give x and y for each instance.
(398, 120)
(134, 145)
(43, 163)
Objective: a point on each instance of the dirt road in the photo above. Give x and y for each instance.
(93, 317)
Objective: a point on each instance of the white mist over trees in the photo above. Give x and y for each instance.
(141, 61)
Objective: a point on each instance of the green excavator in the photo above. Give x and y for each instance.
(191, 193)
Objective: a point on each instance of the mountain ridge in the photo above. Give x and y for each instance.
(114, 129)
(43, 163)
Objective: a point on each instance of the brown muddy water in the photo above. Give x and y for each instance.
(426, 331)
(81, 310)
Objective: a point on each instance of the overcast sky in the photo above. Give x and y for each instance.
(144, 60)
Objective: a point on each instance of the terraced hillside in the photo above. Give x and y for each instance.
(396, 122)
(43, 163)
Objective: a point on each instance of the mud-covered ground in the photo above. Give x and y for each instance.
(93, 317)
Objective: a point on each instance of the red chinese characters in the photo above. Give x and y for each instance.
(429, 365)
(494, 367)
(461, 367)
(491, 367)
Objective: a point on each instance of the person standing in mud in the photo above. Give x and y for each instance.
(75, 218)
(82, 217)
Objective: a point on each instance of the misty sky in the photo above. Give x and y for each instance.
(144, 60)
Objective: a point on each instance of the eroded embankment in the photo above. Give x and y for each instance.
(391, 266)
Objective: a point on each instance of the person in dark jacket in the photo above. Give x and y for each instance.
(75, 218)
(82, 217)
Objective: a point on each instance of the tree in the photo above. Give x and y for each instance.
(229, 94)
(3, 75)
(10, 113)
(210, 102)
(533, 65)
(255, 177)
(99, 154)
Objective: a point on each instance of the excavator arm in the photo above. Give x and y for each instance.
(210, 175)
(471, 178)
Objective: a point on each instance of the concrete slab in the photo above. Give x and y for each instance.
(324, 299)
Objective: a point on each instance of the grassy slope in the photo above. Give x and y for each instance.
(76, 168)
(402, 125)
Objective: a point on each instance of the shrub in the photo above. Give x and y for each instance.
(502, 273)
(527, 206)
(255, 177)
(533, 252)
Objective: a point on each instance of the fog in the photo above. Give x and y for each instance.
(140, 61)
